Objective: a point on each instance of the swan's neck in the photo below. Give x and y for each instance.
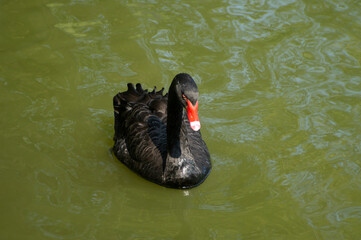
(175, 129)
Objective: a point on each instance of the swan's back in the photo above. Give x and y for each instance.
(140, 130)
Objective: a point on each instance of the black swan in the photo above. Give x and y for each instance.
(156, 138)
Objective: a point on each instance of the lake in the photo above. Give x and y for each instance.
(280, 108)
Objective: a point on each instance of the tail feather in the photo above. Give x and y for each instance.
(160, 92)
(156, 101)
(140, 89)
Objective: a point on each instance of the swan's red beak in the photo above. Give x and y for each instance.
(193, 115)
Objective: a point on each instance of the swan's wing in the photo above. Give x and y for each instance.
(140, 130)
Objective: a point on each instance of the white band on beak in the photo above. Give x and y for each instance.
(196, 125)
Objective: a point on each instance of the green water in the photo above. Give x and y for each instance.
(280, 85)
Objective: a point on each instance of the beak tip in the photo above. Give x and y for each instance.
(195, 125)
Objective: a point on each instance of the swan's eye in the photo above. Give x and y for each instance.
(184, 97)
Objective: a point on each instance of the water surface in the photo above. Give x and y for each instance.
(280, 85)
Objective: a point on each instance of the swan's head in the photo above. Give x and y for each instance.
(187, 92)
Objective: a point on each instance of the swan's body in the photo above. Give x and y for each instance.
(155, 138)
